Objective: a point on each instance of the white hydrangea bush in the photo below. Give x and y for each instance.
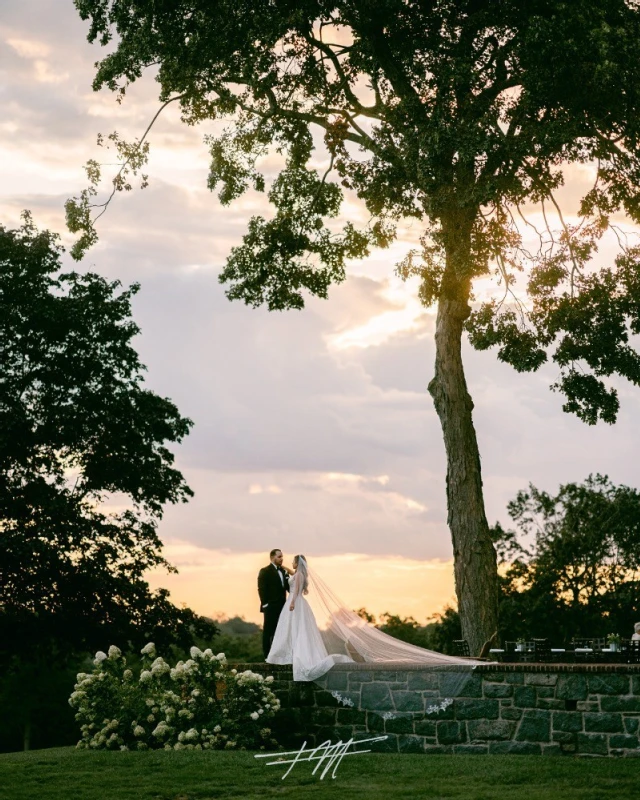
(198, 704)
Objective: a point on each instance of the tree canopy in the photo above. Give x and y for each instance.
(461, 113)
(85, 468)
(572, 564)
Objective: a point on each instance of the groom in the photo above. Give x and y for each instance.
(273, 586)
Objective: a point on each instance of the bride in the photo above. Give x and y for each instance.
(341, 637)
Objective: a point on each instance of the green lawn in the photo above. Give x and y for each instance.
(68, 774)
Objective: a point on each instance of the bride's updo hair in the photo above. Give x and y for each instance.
(300, 564)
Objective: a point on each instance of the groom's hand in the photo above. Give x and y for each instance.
(292, 606)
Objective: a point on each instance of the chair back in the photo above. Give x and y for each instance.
(633, 651)
(541, 650)
(461, 647)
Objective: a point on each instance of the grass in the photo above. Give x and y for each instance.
(69, 774)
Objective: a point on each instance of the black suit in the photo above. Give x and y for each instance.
(273, 596)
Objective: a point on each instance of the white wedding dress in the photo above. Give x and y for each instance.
(341, 636)
(297, 639)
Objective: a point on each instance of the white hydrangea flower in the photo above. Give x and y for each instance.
(178, 746)
(269, 679)
(160, 730)
(208, 652)
(145, 675)
(99, 657)
(148, 649)
(217, 729)
(221, 657)
(138, 731)
(192, 734)
(151, 718)
(254, 715)
(114, 652)
(195, 652)
(127, 675)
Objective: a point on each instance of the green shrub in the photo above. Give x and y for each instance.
(198, 704)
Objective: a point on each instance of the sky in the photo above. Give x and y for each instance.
(313, 430)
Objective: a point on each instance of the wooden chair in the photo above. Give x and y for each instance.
(577, 643)
(511, 655)
(461, 648)
(541, 651)
(633, 651)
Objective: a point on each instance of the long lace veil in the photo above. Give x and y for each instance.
(344, 632)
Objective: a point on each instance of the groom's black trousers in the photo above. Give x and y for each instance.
(271, 616)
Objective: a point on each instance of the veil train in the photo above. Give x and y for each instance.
(344, 632)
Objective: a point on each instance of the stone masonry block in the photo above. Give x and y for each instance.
(571, 687)
(592, 743)
(609, 683)
(564, 737)
(390, 677)
(377, 697)
(525, 697)
(425, 727)
(620, 703)
(490, 729)
(411, 744)
(631, 724)
(626, 742)
(337, 680)
(351, 716)
(492, 690)
(585, 705)
(477, 709)
(450, 732)
(603, 723)
(399, 725)
(517, 748)
(540, 679)
(534, 726)
(325, 699)
(510, 713)
(567, 721)
(460, 684)
(550, 703)
(408, 701)
(361, 676)
(471, 749)
(417, 681)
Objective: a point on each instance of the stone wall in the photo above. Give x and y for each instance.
(542, 709)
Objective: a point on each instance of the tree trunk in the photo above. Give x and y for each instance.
(26, 734)
(475, 565)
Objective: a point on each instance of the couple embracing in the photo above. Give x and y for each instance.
(291, 634)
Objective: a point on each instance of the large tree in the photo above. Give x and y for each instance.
(85, 468)
(456, 112)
